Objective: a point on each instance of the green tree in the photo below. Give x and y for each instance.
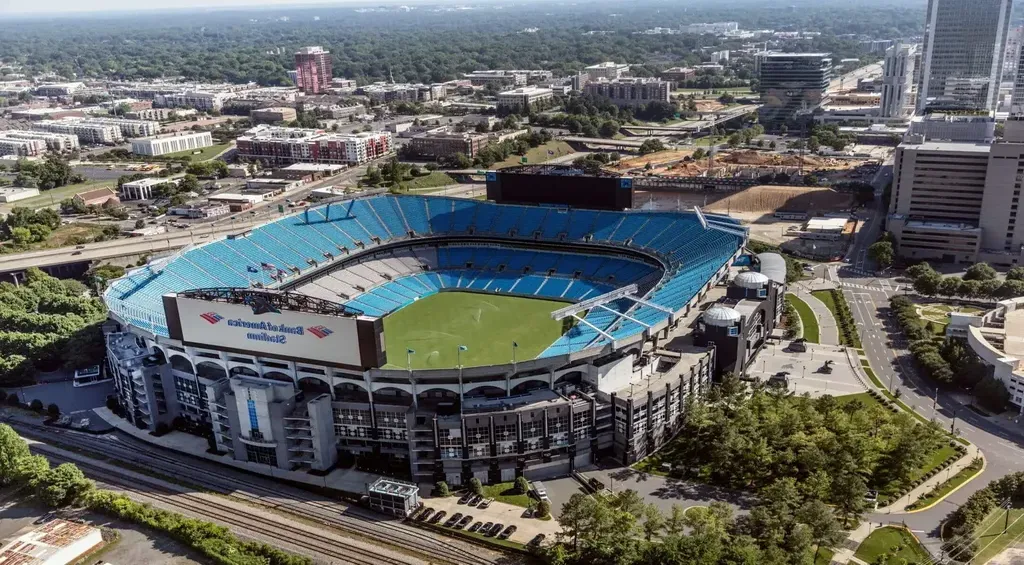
(543, 509)
(653, 521)
(980, 272)
(12, 450)
(441, 489)
(882, 253)
(651, 146)
(475, 486)
(848, 490)
(1015, 274)
(928, 284)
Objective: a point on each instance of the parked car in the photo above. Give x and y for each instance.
(425, 515)
(438, 517)
(496, 529)
(507, 532)
(463, 522)
(466, 498)
(454, 519)
(537, 540)
(486, 528)
(486, 502)
(476, 526)
(475, 500)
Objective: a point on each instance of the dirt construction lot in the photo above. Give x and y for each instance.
(754, 203)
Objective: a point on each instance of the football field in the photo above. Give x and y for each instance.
(487, 324)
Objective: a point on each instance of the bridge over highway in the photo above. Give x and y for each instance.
(106, 250)
(599, 142)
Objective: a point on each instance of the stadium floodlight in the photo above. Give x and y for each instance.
(605, 298)
(700, 217)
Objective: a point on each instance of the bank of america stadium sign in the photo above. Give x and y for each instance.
(264, 331)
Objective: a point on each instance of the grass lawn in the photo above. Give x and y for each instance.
(539, 154)
(823, 556)
(862, 397)
(885, 493)
(62, 236)
(807, 319)
(896, 542)
(486, 324)
(432, 180)
(990, 534)
(710, 140)
(55, 195)
(505, 492)
(205, 154)
(945, 488)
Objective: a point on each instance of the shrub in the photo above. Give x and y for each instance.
(36, 405)
(475, 486)
(53, 410)
(522, 487)
(12, 400)
(112, 404)
(543, 509)
(441, 489)
(3, 396)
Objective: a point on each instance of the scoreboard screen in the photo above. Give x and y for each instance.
(559, 187)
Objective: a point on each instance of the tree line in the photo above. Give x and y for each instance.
(962, 525)
(66, 485)
(47, 323)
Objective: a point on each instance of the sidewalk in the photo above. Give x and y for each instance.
(348, 480)
(900, 506)
(845, 553)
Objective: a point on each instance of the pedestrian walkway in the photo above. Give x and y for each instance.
(845, 553)
(828, 330)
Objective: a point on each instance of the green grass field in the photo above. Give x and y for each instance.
(991, 539)
(807, 319)
(205, 154)
(55, 195)
(486, 324)
(947, 487)
(895, 543)
(539, 154)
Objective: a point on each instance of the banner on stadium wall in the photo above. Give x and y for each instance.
(266, 330)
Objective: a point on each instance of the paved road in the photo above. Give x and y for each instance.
(884, 348)
(849, 80)
(827, 327)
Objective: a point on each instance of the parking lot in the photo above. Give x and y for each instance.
(497, 513)
(806, 370)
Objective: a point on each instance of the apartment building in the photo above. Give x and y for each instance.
(607, 70)
(200, 100)
(172, 143)
(676, 76)
(22, 147)
(382, 93)
(281, 145)
(898, 81)
(522, 98)
(161, 114)
(129, 128)
(435, 145)
(59, 89)
(88, 133)
(505, 78)
(272, 115)
(313, 68)
(629, 91)
(792, 86)
(58, 142)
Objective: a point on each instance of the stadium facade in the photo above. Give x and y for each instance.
(271, 341)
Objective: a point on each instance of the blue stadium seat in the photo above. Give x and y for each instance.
(507, 218)
(581, 223)
(485, 215)
(462, 215)
(367, 218)
(531, 221)
(440, 210)
(554, 287)
(389, 214)
(415, 211)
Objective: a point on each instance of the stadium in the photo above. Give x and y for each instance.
(440, 339)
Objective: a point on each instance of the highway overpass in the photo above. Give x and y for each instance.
(599, 142)
(107, 250)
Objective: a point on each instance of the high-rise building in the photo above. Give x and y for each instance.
(964, 46)
(313, 70)
(1017, 100)
(898, 80)
(792, 86)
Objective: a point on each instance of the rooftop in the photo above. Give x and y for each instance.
(526, 90)
(942, 226)
(961, 146)
(393, 486)
(42, 544)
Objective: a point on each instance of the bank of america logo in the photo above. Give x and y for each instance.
(211, 317)
(320, 331)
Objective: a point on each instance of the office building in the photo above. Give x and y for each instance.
(505, 78)
(142, 189)
(958, 202)
(383, 93)
(61, 89)
(313, 68)
(717, 28)
(720, 56)
(607, 70)
(281, 145)
(272, 115)
(435, 145)
(10, 194)
(521, 98)
(1017, 98)
(677, 76)
(172, 143)
(898, 81)
(792, 87)
(963, 53)
(629, 91)
(954, 126)
(161, 114)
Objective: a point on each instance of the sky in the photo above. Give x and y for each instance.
(55, 7)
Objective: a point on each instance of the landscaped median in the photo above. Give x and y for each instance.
(891, 546)
(940, 492)
(808, 321)
(836, 304)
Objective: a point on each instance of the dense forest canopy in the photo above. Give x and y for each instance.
(429, 43)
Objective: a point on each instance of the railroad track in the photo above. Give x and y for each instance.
(276, 533)
(346, 518)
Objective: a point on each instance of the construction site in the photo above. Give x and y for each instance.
(739, 164)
